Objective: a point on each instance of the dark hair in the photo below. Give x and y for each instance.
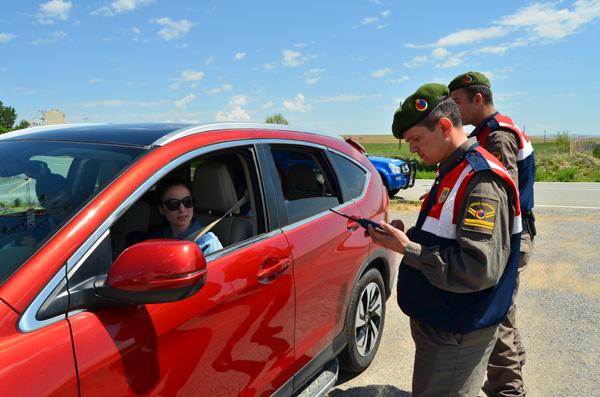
(446, 108)
(168, 182)
(485, 92)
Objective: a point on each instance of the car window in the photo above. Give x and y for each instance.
(40, 190)
(224, 188)
(305, 180)
(350, 175)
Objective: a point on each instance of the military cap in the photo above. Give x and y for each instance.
(417, 106)
(469, 79)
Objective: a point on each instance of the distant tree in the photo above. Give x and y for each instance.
(276, 119)
(7, 116)
(23, 124)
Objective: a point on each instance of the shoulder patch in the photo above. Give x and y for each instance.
(480, 215)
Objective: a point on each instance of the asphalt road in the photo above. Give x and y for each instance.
(575, 195)
(558, 304)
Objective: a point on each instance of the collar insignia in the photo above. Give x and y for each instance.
(443, 195)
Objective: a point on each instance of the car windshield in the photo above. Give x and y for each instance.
(43, 184)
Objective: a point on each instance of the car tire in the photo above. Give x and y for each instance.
(393, 192)
(365, 319)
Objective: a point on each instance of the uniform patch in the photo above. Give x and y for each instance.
(480, 215)
(443, 195)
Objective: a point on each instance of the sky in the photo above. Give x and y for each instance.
(335, 66)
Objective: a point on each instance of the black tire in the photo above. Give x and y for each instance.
(362, 343)
(393, 192)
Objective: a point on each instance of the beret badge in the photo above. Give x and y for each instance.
(421, 105)
(467, 79)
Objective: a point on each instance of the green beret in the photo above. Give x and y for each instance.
(469, 79)
(417, 106)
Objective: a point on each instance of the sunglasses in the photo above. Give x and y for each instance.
(173, 204)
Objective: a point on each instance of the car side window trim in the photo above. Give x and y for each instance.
(318, 215)
(353, 161)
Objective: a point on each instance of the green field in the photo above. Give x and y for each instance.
(556, 160)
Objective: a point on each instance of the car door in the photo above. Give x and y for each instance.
(327, 249)
(35, 363)
(234, 337)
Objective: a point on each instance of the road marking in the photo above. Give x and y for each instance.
(566, 188)
(567, 206)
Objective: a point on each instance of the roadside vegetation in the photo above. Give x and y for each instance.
(560, 158)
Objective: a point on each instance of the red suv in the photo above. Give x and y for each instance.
(94, 300)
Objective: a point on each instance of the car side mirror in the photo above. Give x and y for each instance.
(154, 271)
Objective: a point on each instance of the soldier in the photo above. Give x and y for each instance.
(501, 137)
(458, 273)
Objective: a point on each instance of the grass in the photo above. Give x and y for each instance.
(552, 156)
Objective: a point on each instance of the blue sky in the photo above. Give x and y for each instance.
(337, 66)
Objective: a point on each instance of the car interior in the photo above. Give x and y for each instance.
(219, 182)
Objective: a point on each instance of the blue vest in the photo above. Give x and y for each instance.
(451, 311)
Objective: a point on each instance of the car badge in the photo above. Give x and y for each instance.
(443, 195)
(467, 79)
(421, 105)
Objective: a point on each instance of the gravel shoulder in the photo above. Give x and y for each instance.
(558, 315)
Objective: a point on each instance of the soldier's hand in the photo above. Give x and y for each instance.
(392, 238)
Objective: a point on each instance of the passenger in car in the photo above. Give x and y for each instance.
(177, 206)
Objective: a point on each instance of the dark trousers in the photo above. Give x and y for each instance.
(449, 364)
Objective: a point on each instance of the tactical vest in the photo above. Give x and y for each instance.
(525, 156)
(436, 226)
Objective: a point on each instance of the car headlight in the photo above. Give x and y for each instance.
(394, 168)
(405, 168)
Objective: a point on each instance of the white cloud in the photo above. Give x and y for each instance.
(239, 56)
(386, 13)
(292, 58)
(398, 80)
(173, 29)
(234, 111)
(120, 6)
(382, 26)
(312, 76)
(453, 61)
(368, 20)
(52, 38)
(95, 80)
(297, 104)
(547, 22)
(501, 49)
(415, 62)
(128, 5)
(6, 37)
(183, 102)
(191, 75)
(470, 36)
(343, 98)
(300, 45)
(269, 66)
(113, 103)
(218, 90)
(268, 105)
(381, 73)
(210, 60)
(440, 53)
(174, 86)
(54, 10)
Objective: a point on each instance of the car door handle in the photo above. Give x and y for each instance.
(352, 224)
(271, 268)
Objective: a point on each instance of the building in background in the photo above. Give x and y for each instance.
(53, 116)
